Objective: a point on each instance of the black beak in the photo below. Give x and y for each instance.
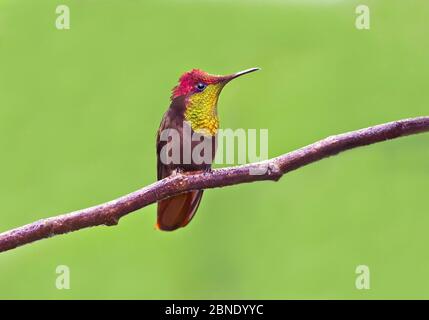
(239, 74)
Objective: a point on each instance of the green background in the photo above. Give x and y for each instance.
(79, 110)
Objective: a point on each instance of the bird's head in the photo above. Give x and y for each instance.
(198, 83)
(201, 91)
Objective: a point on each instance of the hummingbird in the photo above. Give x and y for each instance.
(193, 108)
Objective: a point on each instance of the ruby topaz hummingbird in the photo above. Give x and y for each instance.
(193, 109)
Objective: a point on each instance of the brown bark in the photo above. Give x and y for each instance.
(109, 213)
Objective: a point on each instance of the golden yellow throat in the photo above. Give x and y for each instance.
(201, 110)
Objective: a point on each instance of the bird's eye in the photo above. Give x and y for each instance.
(200, 86)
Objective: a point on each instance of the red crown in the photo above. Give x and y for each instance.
(189, 79)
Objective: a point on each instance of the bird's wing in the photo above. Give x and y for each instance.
(162, 169)
(176, 211)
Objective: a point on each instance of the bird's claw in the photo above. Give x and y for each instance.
(177, 171)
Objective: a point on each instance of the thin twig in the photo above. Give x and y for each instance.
(109, 213)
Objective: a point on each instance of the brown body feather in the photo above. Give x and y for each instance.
(177, 211)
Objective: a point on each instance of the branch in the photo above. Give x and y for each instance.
(109, 213)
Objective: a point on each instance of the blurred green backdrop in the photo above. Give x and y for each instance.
(79, 110)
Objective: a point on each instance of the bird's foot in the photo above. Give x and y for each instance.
(207, 169)
(177, 171)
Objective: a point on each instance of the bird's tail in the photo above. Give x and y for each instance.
(177, 211)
